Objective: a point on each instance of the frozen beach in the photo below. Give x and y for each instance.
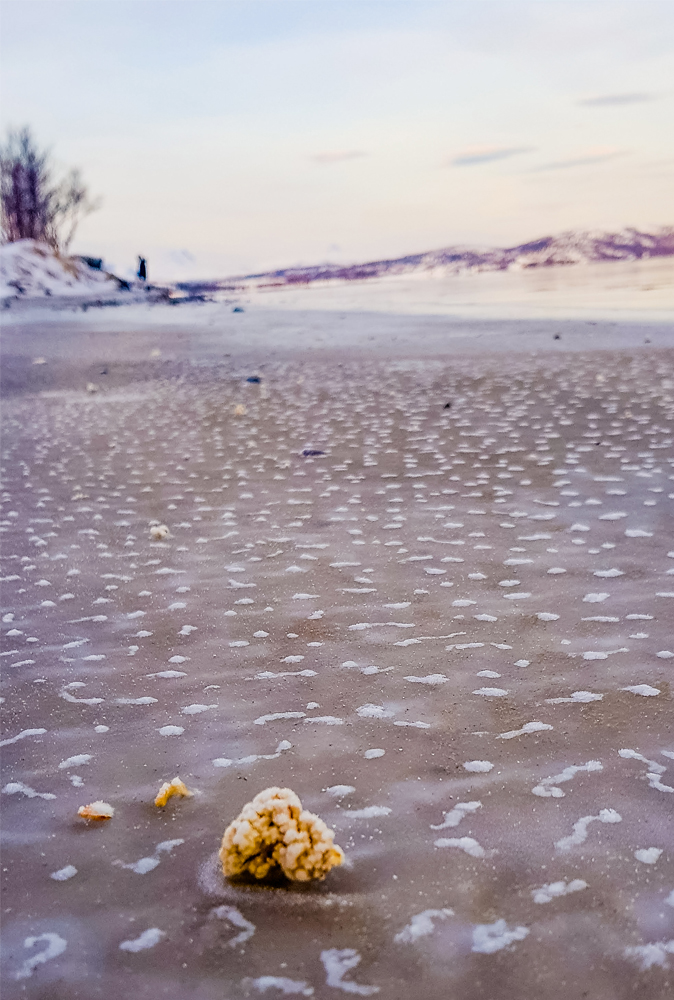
(448, 630)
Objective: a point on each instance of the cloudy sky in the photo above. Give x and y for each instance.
(234, 136)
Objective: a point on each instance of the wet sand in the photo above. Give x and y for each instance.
(480, 593)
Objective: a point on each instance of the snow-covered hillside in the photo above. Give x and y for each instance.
(549, 251)
(29, 269)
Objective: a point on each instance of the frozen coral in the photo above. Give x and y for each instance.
(171, 788)
(274, 832)
(96, 810)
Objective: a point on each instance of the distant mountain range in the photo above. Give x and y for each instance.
(548, 251)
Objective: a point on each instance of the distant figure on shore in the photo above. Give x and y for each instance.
(142, 269)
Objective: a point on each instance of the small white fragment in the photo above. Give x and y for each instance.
(579, 834)
(595, 598)
(63, 874)
(478, 766)
(529, 727)
(455, 815)
(643, 689)
(547, 788)
(553, 890)
(337, 962)
(76, 761)
(263, 719)
(18, 787)
(282, 983)
(648, 855)
(237, 919)
(148, 939)
(546, 616)
(339, 791)
(369, 812)
(171, 730)
(488, 938)
(651, 954)
(421, 925)
(56, 945)
(22, 735)
(429, 679)
(492, 692)
(374, 712)
(467, 844)
(372, 754)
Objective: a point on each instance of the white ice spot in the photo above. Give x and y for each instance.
(529, 727)
(488, 938)
(146, 700)
(478, 766)
(455, 815)
(263, 719)
(56, 945)
(22, 736)
(553, 890)
(337, 962)
(579, 834)
(651, 954)
(467, 844)
(369, 812)
(492, 692)
(282, 983)
(546, 616)
(76, 761)
(374, 712)
(339, 791)
(643, 689)
(648, 855)
(547, 788)
(63, 874)
(196, 709)
(428, 679)
(148, 939)
(18, 788)
(595, 598)
(579, 697)
(372, 754)
(421, 925)
(230, 913)
(171, 730)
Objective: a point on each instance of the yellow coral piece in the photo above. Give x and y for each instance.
(240, 410)
(96, 810)
(171, 788)
(273, 831)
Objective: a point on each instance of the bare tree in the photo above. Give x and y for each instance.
(34, 206)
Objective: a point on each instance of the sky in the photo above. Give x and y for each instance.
(232, 137)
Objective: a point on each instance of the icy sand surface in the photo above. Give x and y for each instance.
(376, 627)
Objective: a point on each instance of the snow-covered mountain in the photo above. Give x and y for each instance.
(548, 251)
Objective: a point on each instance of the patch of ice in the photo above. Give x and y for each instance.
(421, 925)
(579, 834)
(546, 893)
(148, 939)
(488, 938)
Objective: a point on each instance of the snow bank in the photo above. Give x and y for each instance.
(34, 270)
